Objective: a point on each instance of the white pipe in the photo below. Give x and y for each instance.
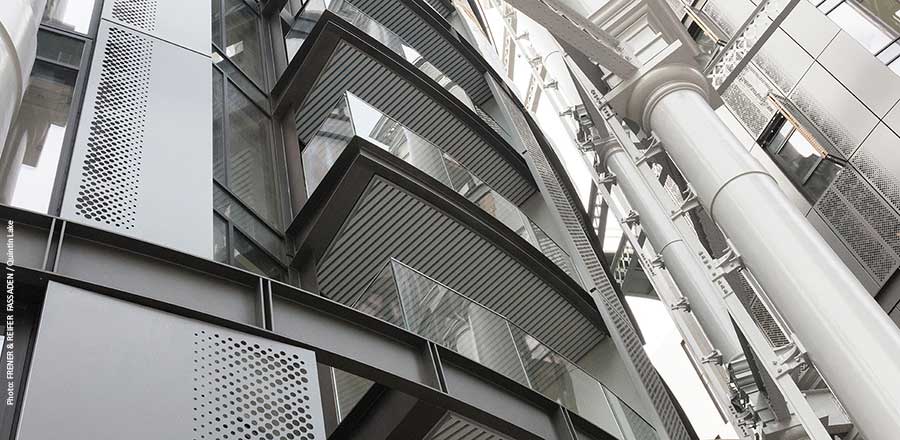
(849, 338)
(682, 263)
(19, 20)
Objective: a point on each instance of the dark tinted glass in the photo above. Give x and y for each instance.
(218, 126)
(248, 256)
(220, 239)
(242, 42)
(72, 15)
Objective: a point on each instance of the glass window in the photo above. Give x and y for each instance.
(71, 15)
(851, 20)
(797, 156)
(242, 42)
(251, 171)
(822, 176)
(58, 48)
(218, 126)
(248, 256)
(220, 239)
(800, 161)
(885, 11)
(29, 162)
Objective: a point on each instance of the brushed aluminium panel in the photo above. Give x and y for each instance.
(877, 86)
(142, 162)
(104, 368)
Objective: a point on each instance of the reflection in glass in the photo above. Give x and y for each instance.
(860, 27)
(220, 239)
(71, 15)
(251, 171)
(248, 256)
(218, 126)
(242, 42)
(797, 156)
(350, 389)
(885, 11)
(29, 162)
(55, 47)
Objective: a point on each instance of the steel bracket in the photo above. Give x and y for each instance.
(729, 262)
(793, 357)
(714, 357)
(654, 149)
(608, 179)
(690, 203)
(682, 304)
(632, 218)
(658, 262)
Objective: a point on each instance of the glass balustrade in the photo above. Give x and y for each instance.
(354, 117)
(410, 299)
(306, 19)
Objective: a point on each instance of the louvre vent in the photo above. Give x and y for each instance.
(864, 222)
(111, 171)
(138, 13)
(243, 390)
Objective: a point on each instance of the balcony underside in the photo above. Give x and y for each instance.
(338, 57)
(372, 206)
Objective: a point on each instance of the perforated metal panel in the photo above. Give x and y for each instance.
(104, 368)
(864, 223)
(111, 170)
(138, 13)
(244, 389)
(142, 160)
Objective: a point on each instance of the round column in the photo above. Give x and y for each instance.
(682, 264)
(848, 336)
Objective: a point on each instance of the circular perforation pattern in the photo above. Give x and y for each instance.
(111, 171)
(138, 13)
(243, 390)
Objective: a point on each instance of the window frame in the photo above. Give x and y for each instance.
(231, 227)
(264, 42)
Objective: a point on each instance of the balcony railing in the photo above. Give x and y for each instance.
(410, 299)
(306, 19)
(353, 117)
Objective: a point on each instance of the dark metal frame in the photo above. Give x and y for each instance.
(340, 336)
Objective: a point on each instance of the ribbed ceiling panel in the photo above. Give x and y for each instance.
(442, 7)
(390, 222)
(433, 46)
(351, 69)
(454, 427)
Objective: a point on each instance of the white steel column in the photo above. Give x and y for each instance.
(848, 336)
(19, 20)
(693, 280)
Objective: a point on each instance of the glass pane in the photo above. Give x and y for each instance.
(217, 23)
(30, 160)
(72, 15)
(248, 256)
(218, 126)
(300, 29)
(242, 43)
(860, 27)
(59, 48)
(798, 157)
(380, 298)
(326, 146)
(247, 222)
(349, 388)
(220, 239)
(884, 11)
(818, 182)
(251, 172)
(442, 315)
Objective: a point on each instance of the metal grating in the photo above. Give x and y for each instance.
(454, 427)
(138, 13)
(245, 390)
(880, 177)
(864, 222)
(111, 171)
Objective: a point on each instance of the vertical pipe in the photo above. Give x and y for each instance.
(848, 337)
(692, 279)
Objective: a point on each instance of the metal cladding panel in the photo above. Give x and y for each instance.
(353, 70)
(389, 222)
(104, 368)
(433, 45)
(184, 23)
(142, 163)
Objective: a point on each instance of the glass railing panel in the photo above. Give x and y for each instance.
(438, 313)
(632, 425)
(381, 298)
(326, 146)
(375, 126)
(349, 389)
